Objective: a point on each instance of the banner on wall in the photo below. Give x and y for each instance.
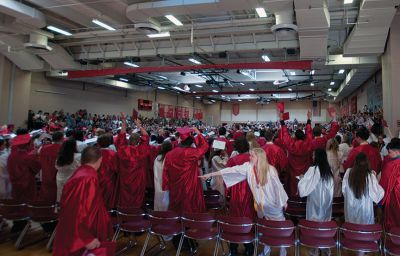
(316, 108)
(197, 114)
(170, 111)
(161, 110)
(186, 114)
(353, 105)
(235, 109)
(145, 105)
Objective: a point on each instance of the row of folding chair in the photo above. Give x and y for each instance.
(42, 213)
(275, 234)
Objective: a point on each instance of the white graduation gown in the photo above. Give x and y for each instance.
(270, 198)
(5, 184)
(217, 182)
(361, 211)
(161, 198)
(319, 195)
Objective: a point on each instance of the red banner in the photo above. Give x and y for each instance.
(235, 109)
(178, 112)
(186, 114)
(353, 105)
(170, 111)
(197, 114)
(161, 110)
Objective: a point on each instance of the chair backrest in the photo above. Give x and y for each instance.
(361, 232)
(394, 235)
(297, 201)
(236, 225)
(126, 214)
(317, 229)
(202, 221)
(12, 210)
(164, 218)
(42, 210)
(274, 228)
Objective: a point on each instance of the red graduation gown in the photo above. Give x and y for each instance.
(22, 166)
(150, 166)
(228, 145)
(48, 157)
(276, 156)
(132, 163)
(83, 216)
(261, 141)
(391, 201)
(320, 142)
(299, 155)
(108, 177)
(181, 178)
(372, 153)
(241, 203)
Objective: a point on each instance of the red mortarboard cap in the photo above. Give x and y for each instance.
(281, 106)
(184, 132)
(285, 116)
(21, 140)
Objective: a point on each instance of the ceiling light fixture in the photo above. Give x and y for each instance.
(341, 71)
(58, 30)
(251, 89)
(241, 83)
(194, 61)
(161, 88)
(178, 88)
(198, 85)
(163, 77)
(212, 100)
(348, 1)
(311, 84)
(265, 58)
(261, 12)
(124, 79)
(332, 83)
(215, 91)
(174, 20)
(102, 24)
(312, 72)
(290, 89)
(330, 89)
(163, 34)
(239, 100)
(131, 64)
(198, 97)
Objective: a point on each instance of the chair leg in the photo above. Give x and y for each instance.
(49, 245)
(145, 244)
(18, 243)
(116, 234)
(255, 248)
(216, 246)
(178, 252)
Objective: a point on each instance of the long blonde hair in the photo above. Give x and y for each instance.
(251, 138)
(262, 165)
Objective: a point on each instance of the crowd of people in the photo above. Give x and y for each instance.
(90, 164)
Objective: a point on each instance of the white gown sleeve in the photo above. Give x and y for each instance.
(309, 182)
(376, 192)
(235, 174)
(280, 194)
(345, 181)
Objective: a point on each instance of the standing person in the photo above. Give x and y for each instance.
(332, 152)
(222, 137)
(317, 185)
(218, 159)
(161, 198)
(275, 154)
(48, 155)
(181, 169)
(5, 184)
(372, 153)
(299, 153)
(132, 163)
(269, 196)
(108, 171)
(390, 182)
(360, 190)
(68, 160)
(344, 147)
(319, 140)
(83, 222)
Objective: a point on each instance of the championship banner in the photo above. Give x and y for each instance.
(186, 113)
(170, 111)
(235, 109)
(161, 110)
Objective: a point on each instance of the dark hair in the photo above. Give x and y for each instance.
(321, 160)
(338, 139)
(166, 146)
(222, 131)
(317, 131)
(134, 139)
(90, 155)
(188, 142)
(377, 129)
(103, 141)
(358, 176)
(241, 145)
(21, 131)
(2, 141)
(299, 134)
(362, 133)
(79, 135)
(269, 135)
(394, 144)
(66, 153)
(57, 136)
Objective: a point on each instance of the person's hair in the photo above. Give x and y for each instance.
(377, 129)
(241, 145)
(251, 138)
(79, 135)
(222, 131)
(269, 135)
(166, 146)
(188, 142)
(134, 139)
(104, 141)
(338, 139)
(321, 160)
(317, 131)
(66, 153)
(299, 134)
(346, 139)
(57, 136)
(90, 155)
(214, 152)
(21, 131)
(262, 165)
(2, 141)
(358, 177)
(362, 133)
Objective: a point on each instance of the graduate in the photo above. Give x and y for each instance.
(299, 153)
(161, 198)
(132, 163)
(319, 140)
(390, 181)
(5, 184)
(23, 164)
(275, 154)
(84, 221)
(181, 169)
(360, 190)
(222, 137)
(108, 171)
(270, 199)
(317, 185)
(372, 153)
(48, 156)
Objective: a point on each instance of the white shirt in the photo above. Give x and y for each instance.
(65, 172)
(5, 184)
(270, 198)
(161, 198)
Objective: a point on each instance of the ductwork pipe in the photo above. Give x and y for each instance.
(23, 13)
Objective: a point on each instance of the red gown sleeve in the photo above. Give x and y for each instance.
(350, 159)
(333, 131)
(121, 141)
(165, 185)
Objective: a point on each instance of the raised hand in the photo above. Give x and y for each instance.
(94, 244)
(123, 117)
(138, 123)
(309, 114)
